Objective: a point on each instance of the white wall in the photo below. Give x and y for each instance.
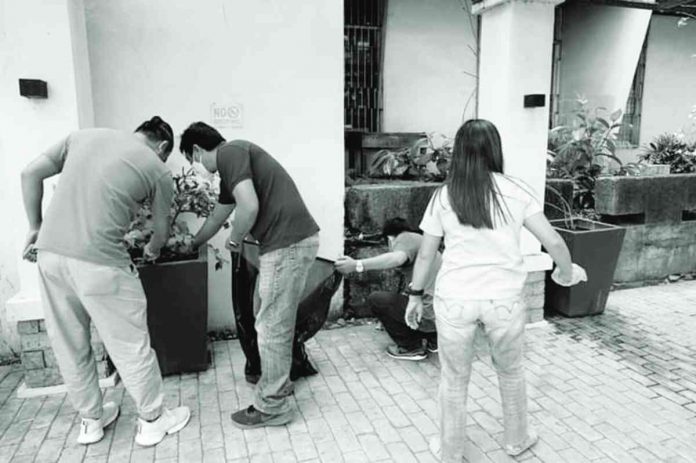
(600, 49)
(282, 61)
(36, 41)
(670, 78)
(426, 61)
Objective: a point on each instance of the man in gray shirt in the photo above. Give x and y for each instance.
(86, 273)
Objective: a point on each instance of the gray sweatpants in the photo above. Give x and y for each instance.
(75, 292)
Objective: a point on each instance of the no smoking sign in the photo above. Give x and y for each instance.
(226, 115)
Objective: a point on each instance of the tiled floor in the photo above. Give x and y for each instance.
(619, 387)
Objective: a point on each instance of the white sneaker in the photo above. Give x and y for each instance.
(171, 421)
(435, 446)
(92, 431)
(514, 450)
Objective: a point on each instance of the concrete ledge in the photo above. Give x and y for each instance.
(24, 306)
(25, 392)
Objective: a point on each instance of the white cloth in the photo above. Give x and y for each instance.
(578, 275)
(482, 263)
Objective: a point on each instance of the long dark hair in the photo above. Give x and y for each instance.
(477, 154)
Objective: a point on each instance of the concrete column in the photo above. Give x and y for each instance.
(39, 39)
(515, 60)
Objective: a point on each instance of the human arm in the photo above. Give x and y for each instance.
(45, 166)
(424, 261)
(387, 260)
(212, 224)
(161, 217)
(245, 214)
(542, 230)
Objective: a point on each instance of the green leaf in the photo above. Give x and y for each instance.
(616, 115)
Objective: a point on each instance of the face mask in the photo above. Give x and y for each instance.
(201, 171)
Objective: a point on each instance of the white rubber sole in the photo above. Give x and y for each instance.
(173, 430)
(94, 438)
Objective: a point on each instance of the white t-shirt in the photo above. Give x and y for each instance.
(482, 263)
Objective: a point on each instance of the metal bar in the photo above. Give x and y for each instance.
(640, 5)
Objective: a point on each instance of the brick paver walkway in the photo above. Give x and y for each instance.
(620, 387)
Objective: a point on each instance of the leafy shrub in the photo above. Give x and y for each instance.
(674, 150)
(427, 159)
(574, 150)
(193, 194)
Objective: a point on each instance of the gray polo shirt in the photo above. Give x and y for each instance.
(106, 175)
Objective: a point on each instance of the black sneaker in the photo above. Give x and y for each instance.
(402, 353)
(431, 346)
(250, 417)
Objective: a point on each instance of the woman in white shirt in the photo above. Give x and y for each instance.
(480, 213)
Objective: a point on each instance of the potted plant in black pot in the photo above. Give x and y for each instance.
(176, 285)
(574, 152)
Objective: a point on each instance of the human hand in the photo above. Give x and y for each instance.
(29, 252)
(414, 312)
(149, 254)
(233, 244)
(345, 264)
(576, 275)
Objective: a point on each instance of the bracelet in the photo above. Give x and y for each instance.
(413, 292)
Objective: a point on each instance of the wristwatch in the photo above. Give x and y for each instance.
(359, 267)
(413, 292)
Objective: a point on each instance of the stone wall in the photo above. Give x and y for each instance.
(659, 213)
(39, 361)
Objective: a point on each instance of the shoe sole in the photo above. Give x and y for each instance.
(173, 430)
(277, 421)
(414, 358)
(94, 441)
(528, 445)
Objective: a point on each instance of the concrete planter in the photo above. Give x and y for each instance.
(177, 313)
(594, 246)
(659, 214)
(368, 206)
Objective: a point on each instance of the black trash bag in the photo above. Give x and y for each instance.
(311, 312)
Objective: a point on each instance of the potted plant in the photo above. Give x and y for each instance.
(176, 285)
(428, 159)
(673, 151)
(574, 152)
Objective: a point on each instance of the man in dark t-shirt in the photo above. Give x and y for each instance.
(268, 206)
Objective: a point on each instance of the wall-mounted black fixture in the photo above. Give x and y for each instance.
(537, 100)
(33, 88)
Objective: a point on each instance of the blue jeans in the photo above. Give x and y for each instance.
(503, 322)
(282, 277)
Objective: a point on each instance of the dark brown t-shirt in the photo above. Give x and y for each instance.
(283, 218)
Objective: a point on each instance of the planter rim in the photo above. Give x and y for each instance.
(604, 226)
(202, 257)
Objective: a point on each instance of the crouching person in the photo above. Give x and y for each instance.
(390, 307)
(86, 273)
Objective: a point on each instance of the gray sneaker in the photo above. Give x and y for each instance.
(402, 353)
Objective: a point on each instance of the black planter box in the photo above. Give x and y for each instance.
(595, 246)
(177, 313)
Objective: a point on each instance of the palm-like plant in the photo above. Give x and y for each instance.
(575, 150)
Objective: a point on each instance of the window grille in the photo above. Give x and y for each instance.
(363, 20)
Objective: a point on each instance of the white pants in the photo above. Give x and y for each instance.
(75, 292)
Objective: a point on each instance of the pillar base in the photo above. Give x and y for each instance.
(26, 392)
